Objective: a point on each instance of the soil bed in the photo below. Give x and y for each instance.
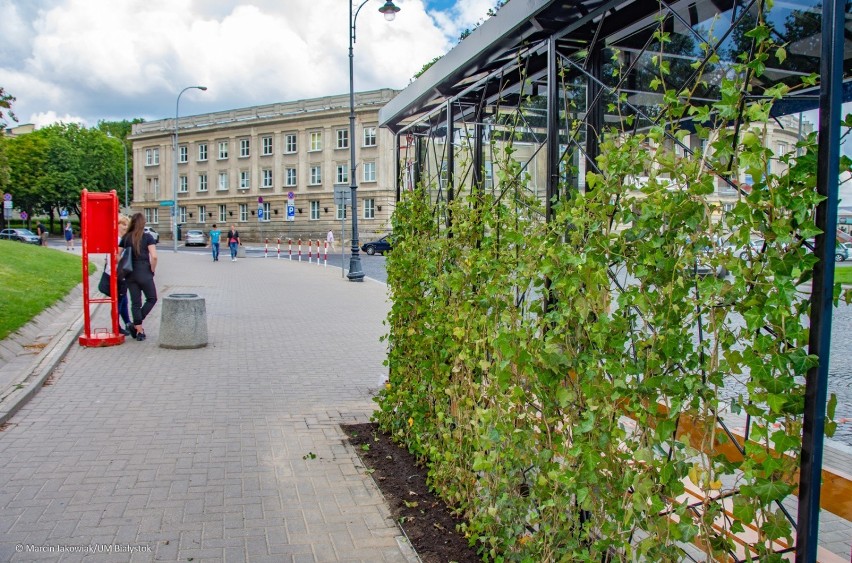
(427, 521)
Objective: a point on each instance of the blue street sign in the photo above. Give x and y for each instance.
(63, 214)
(260, 213)
(291, 212)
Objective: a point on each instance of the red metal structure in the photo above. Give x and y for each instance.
(99, 232)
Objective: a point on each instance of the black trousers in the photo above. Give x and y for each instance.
(139, 282)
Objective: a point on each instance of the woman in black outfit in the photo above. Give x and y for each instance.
(141, 280)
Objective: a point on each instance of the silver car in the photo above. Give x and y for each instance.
(153, 233)
(195, 238)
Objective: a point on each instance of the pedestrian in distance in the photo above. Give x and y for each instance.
(41, 231)
(69, 236)
(214, 242)
(233, 242)
(329, 238)
(141, 280)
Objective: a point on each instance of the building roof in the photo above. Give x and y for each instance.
(270, 112)
(511, 47)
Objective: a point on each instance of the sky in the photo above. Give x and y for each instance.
(90, 60)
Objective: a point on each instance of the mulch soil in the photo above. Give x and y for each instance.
(427, 521)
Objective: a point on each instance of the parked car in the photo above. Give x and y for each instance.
(22, 235)
(384, 244)
(195, 238)
(153, 233)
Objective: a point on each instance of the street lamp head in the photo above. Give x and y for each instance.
(203, 88)
(389, 10)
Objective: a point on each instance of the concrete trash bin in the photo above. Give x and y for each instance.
(183, 322)
(241, 251)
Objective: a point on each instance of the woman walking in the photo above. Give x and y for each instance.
(141, 279)
(233, 242)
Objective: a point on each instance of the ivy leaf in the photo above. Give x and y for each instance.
(776, 526)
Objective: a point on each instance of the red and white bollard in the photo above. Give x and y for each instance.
(266, 249)
(325, 256)
(290, 247)
(278, 249)
(310, 250)
(300, 250)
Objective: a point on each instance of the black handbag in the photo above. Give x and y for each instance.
(125, 263)
(103, 285)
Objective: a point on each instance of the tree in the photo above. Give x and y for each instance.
(50, 167)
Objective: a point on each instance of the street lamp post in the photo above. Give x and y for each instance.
(175, 167)
(389, 9)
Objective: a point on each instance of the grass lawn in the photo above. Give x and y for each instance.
(32, 278)
(843, 274)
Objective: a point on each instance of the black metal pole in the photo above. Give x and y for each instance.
(356, 273)
(816, 386)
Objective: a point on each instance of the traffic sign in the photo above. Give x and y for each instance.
(8, 197)
(168, 203)
(342, 195)
(259, 213)
(291, 195)
(291, 212)
(7, 204)
(24, 215)
(63, 214)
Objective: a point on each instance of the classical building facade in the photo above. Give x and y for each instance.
(243, 166)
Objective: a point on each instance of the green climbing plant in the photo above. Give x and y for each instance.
(564, 380)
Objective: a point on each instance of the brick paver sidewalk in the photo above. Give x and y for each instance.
(208, 454)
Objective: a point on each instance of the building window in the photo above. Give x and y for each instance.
(152, 157)
(183, 185)
(266, 146)
(223, 213)
(289, 176)
(267, 210)
(782, 149)
(290, 143)
(182, 214)
(727, 207)
(341, 211)
(202, 214)
(155, 187)
(316, 141)
(183, 154)
(245, 179)
(489, 175)
(369, 171)
(223, 182)
(243, 212)
(316, 175)
(202, 152)
(369, 136)
(266, 178)
(369, 208)
(342, 176)
(223, 150)
(152, 215)
(314, 210)
(343, 138)
(244, 148)
(202, 182)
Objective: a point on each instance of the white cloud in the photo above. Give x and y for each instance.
(102, 59)
(46, 118)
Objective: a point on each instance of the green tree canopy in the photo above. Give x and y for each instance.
(51, 166)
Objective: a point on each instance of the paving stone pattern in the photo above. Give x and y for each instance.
(140, 453)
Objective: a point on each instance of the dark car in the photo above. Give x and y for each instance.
(384, 244)
(22, 235)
